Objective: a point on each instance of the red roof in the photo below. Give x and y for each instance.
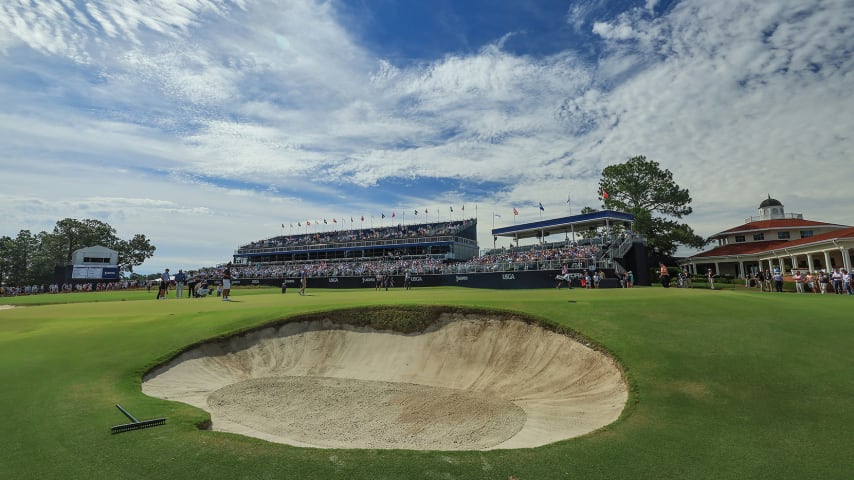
(775, 224)
(760, 247)
(742, 248)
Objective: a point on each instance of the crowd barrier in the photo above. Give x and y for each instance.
(496, 280)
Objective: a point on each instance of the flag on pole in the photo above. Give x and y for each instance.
(604, 194)
(363, 218)
(496, 215)
(416, 212)
(393, 214)
(383, 215)
(425, 211)
(515, 212)
(324, 222)
(452, 209)
(541, 207)
(568, 199)
(334, 221)
(464, 207)
(299, 224)
(308, 223)
(283, 225)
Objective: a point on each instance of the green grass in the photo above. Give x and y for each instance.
(725, 384)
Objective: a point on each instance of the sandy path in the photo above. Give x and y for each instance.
(472, 383)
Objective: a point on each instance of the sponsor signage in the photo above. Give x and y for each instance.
(81, 272)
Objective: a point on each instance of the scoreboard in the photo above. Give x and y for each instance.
(80, 272)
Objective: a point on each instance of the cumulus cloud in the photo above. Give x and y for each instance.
(257, 112)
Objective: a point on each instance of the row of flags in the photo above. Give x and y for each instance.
(362, 218)
(427, 212)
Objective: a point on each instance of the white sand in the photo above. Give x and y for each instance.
(6, 307)
(471, 383)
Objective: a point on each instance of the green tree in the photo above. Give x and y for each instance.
(133, 252)
(640, 187)
(590, 232)
(7, 246)
(18, 254)
(71, 234)
(31, 259)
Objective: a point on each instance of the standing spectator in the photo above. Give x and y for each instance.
(180, 278)
(407, 280)
(810, 279)
(284, 286)
(836, 277)
(226, 282)
(768, 278)
(711, 276)
(799, 281)
(664, 275)
(631, 279)
(778, 281)
(302, 282)
(849, 282)
(165, 278)
(823, 282)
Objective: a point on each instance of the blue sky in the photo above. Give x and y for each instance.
(206, 124)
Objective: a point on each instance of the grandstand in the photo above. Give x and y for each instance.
(445, 241)
(440, 253)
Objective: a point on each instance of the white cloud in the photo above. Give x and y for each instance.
(169, 105)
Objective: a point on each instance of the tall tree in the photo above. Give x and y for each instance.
(75, 234)
(18, 254)
(133, 252)
(7, 248)
(640, 187)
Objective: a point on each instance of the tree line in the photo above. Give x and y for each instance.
(30, 259)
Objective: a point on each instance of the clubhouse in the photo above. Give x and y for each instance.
(775, 239)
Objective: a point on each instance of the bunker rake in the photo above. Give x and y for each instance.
(136, 424)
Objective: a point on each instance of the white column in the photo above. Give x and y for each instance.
(717, 269)
(826, 261)
(809, 262)
(741, 269)
(846, 259)
(794, 259)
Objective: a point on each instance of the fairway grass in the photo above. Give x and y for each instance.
(724, 384)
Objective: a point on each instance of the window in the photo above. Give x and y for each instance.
(783, 236)
(806, 233)
(739, 238)
(758, 236)
(95, 260)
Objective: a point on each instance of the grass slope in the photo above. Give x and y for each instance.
(725, 384)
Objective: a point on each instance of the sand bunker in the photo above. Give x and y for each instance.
(468, 382)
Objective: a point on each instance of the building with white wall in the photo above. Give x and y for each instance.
(774, 239)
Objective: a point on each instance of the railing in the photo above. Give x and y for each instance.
(790, 216)
(620, 250)
(371, 268)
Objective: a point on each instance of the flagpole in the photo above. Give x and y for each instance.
(493, 227)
